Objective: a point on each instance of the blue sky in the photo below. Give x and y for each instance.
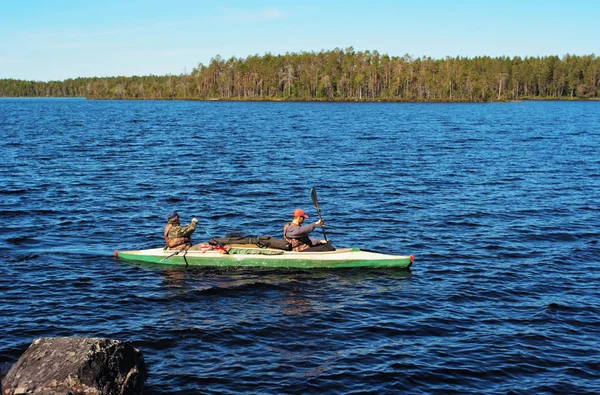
(59, 39)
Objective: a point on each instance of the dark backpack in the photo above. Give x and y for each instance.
(271, 242)
(221, 241)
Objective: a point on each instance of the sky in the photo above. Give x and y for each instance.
(45, 40)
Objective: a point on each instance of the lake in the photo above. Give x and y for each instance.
(499, 203)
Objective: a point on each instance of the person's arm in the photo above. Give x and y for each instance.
(183, 231)
(297, 232)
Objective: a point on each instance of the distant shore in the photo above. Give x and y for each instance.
(346, 76)
(311, 100)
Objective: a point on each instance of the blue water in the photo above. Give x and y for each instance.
(499, 203)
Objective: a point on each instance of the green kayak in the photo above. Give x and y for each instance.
(261, 257)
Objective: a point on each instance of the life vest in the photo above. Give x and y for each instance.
(176, 243)
(297, 244)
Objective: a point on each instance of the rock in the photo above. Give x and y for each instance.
(77, 366)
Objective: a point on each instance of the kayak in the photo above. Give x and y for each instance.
(270, 258)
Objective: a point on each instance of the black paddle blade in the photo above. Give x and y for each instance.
(313, 195)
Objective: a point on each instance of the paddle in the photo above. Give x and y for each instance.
(313, 195)
(176, 253)
(168, 256)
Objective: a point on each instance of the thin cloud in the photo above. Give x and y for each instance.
(168, 52)
(78, 45)
(81, 34)
(90, 39)
(265, 14)
(11, 61)
(76, 34)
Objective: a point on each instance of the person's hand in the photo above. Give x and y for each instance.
(194, 220)
(320, 222)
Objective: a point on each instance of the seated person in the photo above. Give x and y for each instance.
(298, 235)
(178, 237)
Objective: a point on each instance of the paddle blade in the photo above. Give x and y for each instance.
(313, 195)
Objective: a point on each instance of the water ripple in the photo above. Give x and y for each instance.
(497, 202)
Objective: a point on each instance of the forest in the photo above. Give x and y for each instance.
(344, 75)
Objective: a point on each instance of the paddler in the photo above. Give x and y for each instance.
(178, 237)
(298, 235)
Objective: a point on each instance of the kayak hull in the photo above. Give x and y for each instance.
(341, 258)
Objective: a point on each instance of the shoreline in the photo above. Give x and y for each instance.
(277, 100)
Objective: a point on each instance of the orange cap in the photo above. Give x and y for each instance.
(299, 213)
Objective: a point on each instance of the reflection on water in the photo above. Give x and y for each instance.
(290, 287)
(195, 278)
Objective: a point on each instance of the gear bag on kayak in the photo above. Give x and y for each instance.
(260, 241)
(271, 242)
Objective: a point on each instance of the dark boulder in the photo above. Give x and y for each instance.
(77, 366)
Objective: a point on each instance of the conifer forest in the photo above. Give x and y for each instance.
(343, 75)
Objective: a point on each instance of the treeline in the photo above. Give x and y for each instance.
(345, 75)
